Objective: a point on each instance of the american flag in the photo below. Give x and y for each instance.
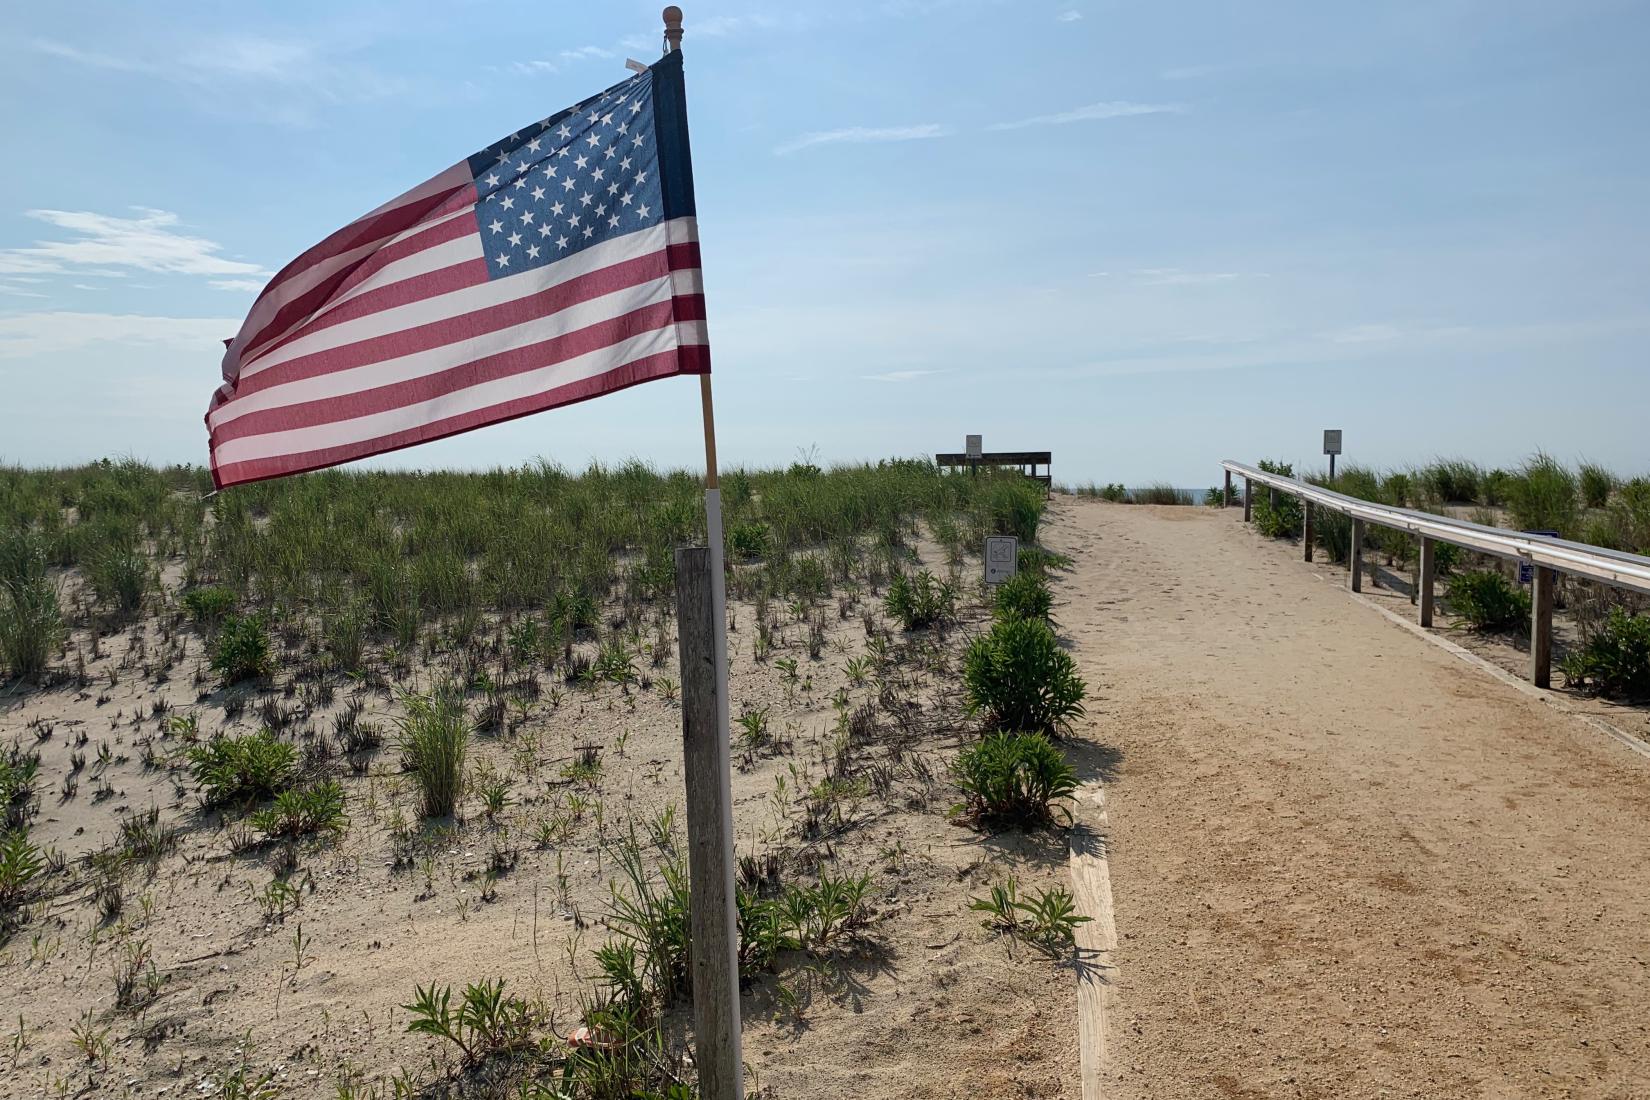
(559, 264)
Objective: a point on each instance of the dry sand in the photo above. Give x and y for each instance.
(927, 1004)
(1345, 863)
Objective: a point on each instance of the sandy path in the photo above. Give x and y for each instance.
(1345, 863)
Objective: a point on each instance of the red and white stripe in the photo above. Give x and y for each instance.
(390, 333)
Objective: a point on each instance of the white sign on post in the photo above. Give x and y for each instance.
(1002, 558)
(1331, 441)
(975, 447)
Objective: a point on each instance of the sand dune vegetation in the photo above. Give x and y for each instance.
(365, 784)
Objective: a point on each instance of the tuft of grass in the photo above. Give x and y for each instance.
(1596, 484)
(921, 601)
(1018, 675)
(31, 625)
(435, 733)
(120, 578)
(1451, 481)
(1160, 493)
(1544, 496)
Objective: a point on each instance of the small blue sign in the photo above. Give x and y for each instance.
(1526, 569)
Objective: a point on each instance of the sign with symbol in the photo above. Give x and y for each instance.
(1526, 567)
(1331, 441)
(1002, 558)
(975, 447)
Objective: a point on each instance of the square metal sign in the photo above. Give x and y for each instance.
(1331, 441)
(975, 446)
(1002, 558)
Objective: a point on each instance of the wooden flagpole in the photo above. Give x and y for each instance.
(702, 624)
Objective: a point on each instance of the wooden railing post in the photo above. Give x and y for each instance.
(1248, 499)
(1423, 582)
(1356, 555)
(1541, 627)
(1306, 530)
(1226, 496)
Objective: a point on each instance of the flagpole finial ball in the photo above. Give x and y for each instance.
(673, 26)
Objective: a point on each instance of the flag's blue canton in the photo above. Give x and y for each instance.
(580, 177)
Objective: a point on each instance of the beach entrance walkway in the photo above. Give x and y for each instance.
(1344, 862)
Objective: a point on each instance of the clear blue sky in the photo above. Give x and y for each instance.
(1144, 236)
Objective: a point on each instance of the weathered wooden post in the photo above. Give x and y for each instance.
(709, 809)
(1248, 499)
(1306, 530)
(1541, 627)
(1356, 555)
(1226, 496)
(1423, 582)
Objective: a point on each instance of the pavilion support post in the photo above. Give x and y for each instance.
(1248, 499)
(1226, 496)
(1306, 530)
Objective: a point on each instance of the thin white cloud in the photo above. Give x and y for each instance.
(102, 244)
(863, 134)
(562, 57)
(1109, 109)
(241, 69)
(250, 286)
(900, 375)
(53, 333)
(1364, 334)
(1071, 16)
(1174, 276)
(19, 292)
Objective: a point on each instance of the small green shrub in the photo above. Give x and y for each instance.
(749, 541)
(20, 865)
(1488, 600)
(486, 1022)
(208, 606)
(317, 809)
(1276, 515)
(920, 602)
(1615, 661)
(1014, 779)
(1021, 679)
(435, 733)
(1023, 596)
(1047, 920)
(1215, 498)
(239, 770)
(242, 649)
(1596, 484)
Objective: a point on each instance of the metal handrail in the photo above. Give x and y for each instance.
(1612, 567)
